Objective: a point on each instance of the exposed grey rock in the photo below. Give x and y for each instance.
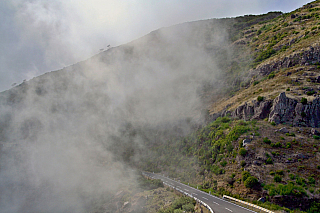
(282, 110)
(310, 55)
(262, 199)
(284, 130)
(126, 205)
(256, 163)
(314, 132)
(257, 110)
(244, 111)
(300, 156)
(245, 142)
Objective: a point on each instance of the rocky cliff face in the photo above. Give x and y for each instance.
(280, 110)
(305, 57)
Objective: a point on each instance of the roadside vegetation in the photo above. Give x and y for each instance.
(214, 158)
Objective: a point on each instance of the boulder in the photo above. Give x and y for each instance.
(284, 130)
(256, 163)
(255, 110)
(245, 142)
(126, 205)
(314, 132)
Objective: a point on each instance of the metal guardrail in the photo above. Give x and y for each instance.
(248, 204)
(187, 194)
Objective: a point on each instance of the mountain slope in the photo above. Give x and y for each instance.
(71, 137)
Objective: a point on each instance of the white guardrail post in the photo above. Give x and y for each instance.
(247, 204)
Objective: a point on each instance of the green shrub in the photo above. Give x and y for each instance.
(278, 144)
(266, 140)
(269, 161)
(277, 178)
(243, 163)
(250, 182)
(289, 189)
(311, 180)
(288, 145)
(292, 176)
(242, 152)
(265, 54)
(273, 123)
(223, 163)
(255, 39)
(245, 175)
(301, 181)
(256, 82)
(225, 120)
(315, 208)
(280, 172)
(291, 134)
(271, 75)
(272, 173)
(316, 137)
(304, 101)
(182, 201)
(260, 98)
(311, 92)
(188, 207)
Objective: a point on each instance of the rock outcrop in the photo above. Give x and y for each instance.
(257, 110)
(283, 109)
(280, 110)
(306, 57)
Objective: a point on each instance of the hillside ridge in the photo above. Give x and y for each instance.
(228, 105)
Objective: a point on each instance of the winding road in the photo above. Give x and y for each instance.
(217, 204)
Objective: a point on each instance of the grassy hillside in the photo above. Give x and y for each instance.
(271, 43)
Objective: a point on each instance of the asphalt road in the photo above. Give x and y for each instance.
(217, 204)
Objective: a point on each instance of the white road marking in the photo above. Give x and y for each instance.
(228, 209)
(195, 194)
(205, 198)
(186, 190)
(216, 203)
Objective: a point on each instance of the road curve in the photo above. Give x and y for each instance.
(217, 204)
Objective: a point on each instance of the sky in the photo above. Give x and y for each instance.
(38, 36)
